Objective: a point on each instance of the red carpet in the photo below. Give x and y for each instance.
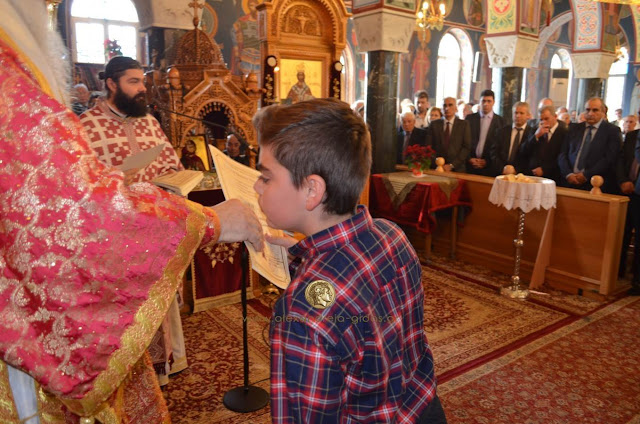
(551, 359)
(587, 372)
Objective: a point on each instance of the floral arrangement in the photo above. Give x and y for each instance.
(112, 49)
(418, 158)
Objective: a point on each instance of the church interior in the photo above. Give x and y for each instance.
(540, 332)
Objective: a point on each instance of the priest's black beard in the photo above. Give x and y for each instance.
(131, 106)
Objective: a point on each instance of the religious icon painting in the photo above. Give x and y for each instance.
(474, 12)
(300, 79)
(195, 154)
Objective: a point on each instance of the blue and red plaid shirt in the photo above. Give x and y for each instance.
(365, 357)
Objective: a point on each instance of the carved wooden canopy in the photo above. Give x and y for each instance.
(303, 30)
(199, 84)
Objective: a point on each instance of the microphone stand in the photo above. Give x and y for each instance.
(245, 398)
(229, 129)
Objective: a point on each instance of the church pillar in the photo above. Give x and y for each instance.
(508, 82)
(588, 88)
(383, 33)
(510, 54)
(591, 69)
(382, 97)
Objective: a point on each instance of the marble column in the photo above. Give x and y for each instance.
(509, 90)
(382, 93)
(588, 88)
(383, 33)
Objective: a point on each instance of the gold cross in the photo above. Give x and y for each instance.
(195, 6)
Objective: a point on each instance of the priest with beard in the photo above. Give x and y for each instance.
(119, 125)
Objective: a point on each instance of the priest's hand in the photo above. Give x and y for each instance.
(239, 223)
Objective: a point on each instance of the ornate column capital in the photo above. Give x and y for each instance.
(511, 50)
(592, 65)
(384, 29)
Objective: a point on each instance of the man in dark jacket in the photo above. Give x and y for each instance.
(591, 148)
(408, 135)
(504, 150)
(483, 125)
(539, 152)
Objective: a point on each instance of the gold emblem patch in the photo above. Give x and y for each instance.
(320, 294)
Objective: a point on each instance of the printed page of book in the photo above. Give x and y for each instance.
(141, 159)
(237, 182)
(180, 182)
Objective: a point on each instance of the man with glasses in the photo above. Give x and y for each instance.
(450, 137)
(591, 148)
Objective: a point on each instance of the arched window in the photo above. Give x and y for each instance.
(615, 84)
(448, 75)
(561, 76)
(94, 22)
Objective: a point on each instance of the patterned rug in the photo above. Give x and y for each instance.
(214, 350)
(571, 304)
(467, 324)
(587, 372)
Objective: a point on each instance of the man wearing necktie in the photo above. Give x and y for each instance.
(483, 125)
(627, 168)
(591, 148)
(539, 152)
(450, 137)
(408, 135)
(508, 140)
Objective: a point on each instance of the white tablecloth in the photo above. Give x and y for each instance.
(526, 196)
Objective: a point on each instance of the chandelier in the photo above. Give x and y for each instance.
(429, 17)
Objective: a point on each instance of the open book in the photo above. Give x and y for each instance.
(237, 182)
(180, 183)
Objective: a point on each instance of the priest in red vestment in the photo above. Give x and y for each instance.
(88, 266)
(119, 126)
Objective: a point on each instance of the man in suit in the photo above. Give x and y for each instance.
(483, 125)
(591, 148)
(408, 135)
(539, 152)
(450, 137)
(505, 148)
(627, 178)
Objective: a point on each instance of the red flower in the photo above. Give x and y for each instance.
(417, 156)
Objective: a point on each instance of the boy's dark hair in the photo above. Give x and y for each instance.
(421, 94)
(116, 68)
(488, 93)
(323, 137)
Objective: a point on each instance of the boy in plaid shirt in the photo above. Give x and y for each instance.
(347, 336)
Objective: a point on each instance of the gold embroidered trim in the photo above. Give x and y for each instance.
(49, 407)
(138, 336)
(39, 76)
(8, 411)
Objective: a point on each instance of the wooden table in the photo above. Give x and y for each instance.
(411, 201)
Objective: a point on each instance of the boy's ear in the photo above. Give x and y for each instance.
(316, 189)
